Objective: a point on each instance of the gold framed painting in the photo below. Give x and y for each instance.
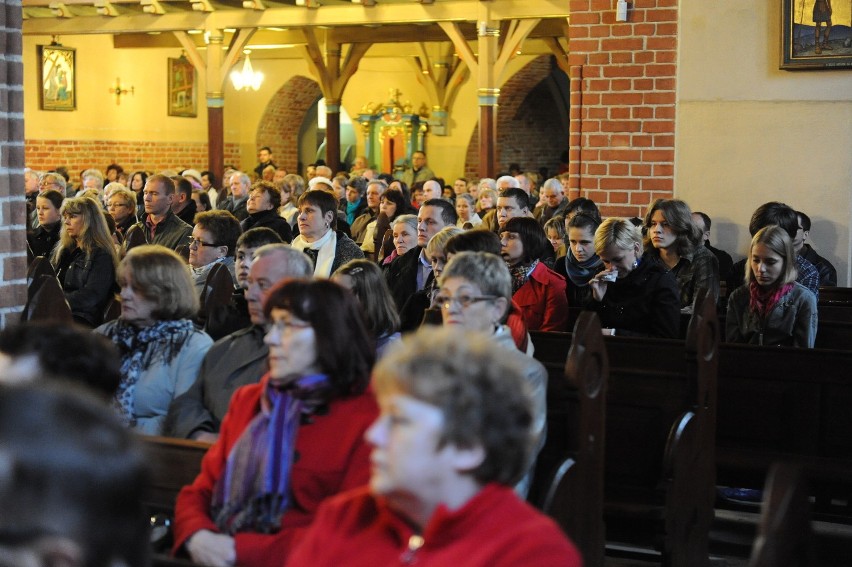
(817, 34)
(183, 98)
(58, 76)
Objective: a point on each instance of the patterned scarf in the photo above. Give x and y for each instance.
(581, 272)
(254, 492)
(520, 274)
(139, 347)
(763, 300)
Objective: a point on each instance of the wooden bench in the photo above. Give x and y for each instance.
(659, 474)
(174, 463)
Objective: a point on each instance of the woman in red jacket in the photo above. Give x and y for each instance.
(538, 290)
(289, 442)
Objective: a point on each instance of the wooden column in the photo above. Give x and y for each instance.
(487, 139)
(215, 141)
(332, 135)
(488, 94)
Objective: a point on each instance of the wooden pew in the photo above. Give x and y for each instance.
(784, 535)
(47, 303)
(575, 495)
(175, 463)
(659, 424)
(835, 294)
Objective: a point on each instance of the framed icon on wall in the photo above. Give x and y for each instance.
(58, 76)
(817, 34)
(183, 98)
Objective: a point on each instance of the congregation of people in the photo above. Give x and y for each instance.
(369, 392)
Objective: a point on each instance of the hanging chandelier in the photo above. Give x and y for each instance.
(247, 78)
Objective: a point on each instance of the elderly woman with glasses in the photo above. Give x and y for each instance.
(121, 205)
(161, 351)
(289, 442)
(475, 294)
(213, 241)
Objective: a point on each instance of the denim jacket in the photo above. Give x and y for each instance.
(792, 322)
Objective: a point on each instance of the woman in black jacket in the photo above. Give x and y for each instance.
(262, 206)
(46, 235)
(633, 296)
(85, 259)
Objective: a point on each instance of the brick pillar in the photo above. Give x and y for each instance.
(13, 259)
(623, 103)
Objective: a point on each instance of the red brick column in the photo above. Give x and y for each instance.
(623, 103)
(13, 259)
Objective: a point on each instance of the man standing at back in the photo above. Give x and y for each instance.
(264, 156)
(419, 171)
(160, 226)
(239, 358)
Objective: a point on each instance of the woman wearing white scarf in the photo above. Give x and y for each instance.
(327, 248)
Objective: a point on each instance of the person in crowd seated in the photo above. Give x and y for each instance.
(375, 190)
(52, 180)
(85, 260)
(392, 205)
(676, 242)
(581, 263)
(112, 172)
(419, 171)
(459, 186)
(137, 182)
(35, 351)
(240, 184)
(372, 216)
(226, 319)
(703, 222)
(240, 358)
(202, 200)
(72, 482)
(538, 290)
(403, 188)
(121, 206)
(289, 442)
(474, 296)
(291, 188)
(365, 280)
(452, 437)
(262, 206)
(160, 225)
(511, 203)
(582, 205)
(486, 202)
(412, 271)
(784, 216)
(466, 211)
(355, 202)
(827, 272)
(213, 241)
(557, 235)
(160, 348)
(403, 237)
(771, 308)
(92, 179)
(634, 295)
(210, 185)
(508, 182)
(432, 190)
(318, 238)
(46, 235)
(554, 200)
(182, 205)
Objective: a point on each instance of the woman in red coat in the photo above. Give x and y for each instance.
(538, 290)
(289, 442)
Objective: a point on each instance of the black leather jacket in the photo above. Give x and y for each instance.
(88, 281)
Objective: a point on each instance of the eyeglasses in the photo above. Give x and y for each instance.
(114, 205)
(282, 325)
(463, 301)
(195, 242)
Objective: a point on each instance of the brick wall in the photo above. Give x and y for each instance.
(13, 260)
(529, 131)
(623, 102)
(77, 155)
(281, 122)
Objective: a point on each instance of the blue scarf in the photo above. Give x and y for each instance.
(350, 211)
(139, 347)
(581, 272)
(254, 492)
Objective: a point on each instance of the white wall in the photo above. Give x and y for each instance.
(748, 133)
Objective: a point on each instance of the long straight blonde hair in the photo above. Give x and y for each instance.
(95, 232)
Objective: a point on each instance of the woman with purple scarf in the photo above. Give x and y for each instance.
(290, 441)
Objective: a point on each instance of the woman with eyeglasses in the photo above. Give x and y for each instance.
(475, 292)
(213, 241)
(121, 206)
(85, 259)
(161, 351)
(289, 442)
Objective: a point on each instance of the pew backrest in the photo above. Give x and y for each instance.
(175, 463)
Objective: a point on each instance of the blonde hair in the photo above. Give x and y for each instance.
(95, 232)
(618, 232)
(158, 274)
(778, 241)
(438, 242)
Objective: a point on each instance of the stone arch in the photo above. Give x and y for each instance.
(279, 127)
(532, 120)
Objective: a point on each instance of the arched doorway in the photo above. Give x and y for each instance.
(532, 120)
(283, 118)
